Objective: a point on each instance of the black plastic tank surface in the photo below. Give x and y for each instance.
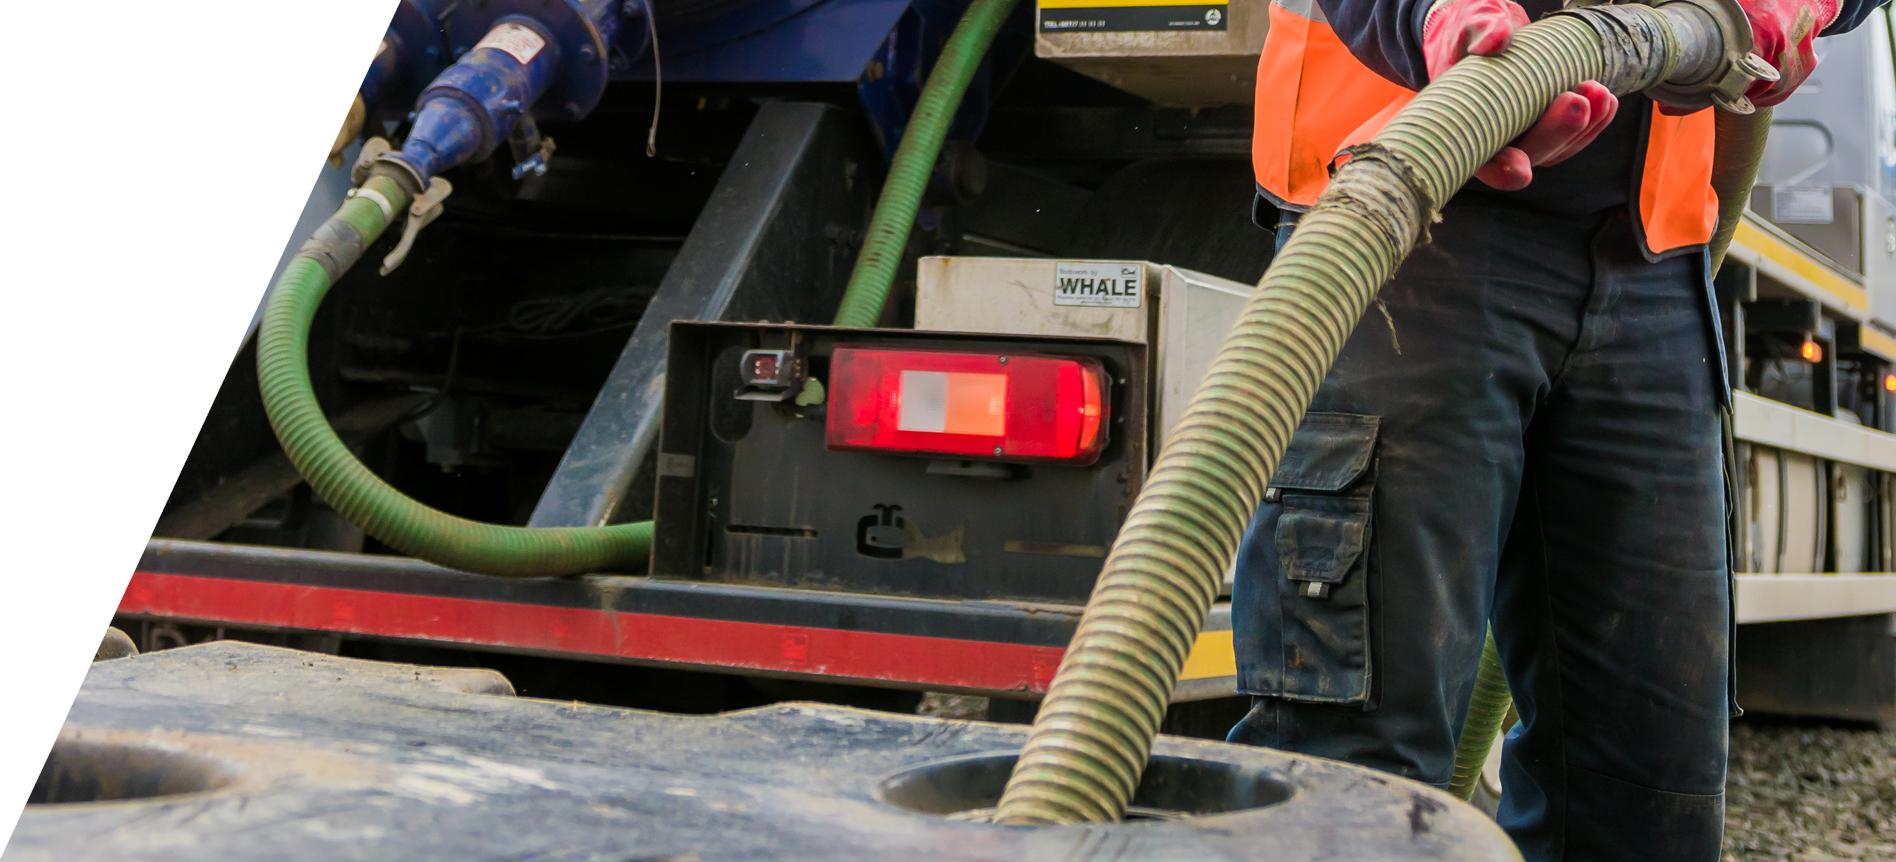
(238, 752)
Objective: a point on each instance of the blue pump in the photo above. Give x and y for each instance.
(518, 61)
(475, 103)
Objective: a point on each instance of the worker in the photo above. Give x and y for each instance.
(1523, 430)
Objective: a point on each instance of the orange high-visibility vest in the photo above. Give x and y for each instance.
(1314, 98)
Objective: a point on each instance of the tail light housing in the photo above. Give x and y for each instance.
(987, 406)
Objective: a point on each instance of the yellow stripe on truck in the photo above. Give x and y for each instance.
(1876, 342)
(1819, 276)
(1211, 657)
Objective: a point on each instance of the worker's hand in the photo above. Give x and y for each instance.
(1782, 32)
(1457, 28)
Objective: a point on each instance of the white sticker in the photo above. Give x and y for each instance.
(518, 40)
(1802, 205)
(1099, 285)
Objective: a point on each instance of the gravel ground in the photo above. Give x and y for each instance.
(936, 704)
(1806, 791)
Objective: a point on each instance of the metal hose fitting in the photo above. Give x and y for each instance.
(1094, 731)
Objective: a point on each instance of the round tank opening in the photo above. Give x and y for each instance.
(81, 770)
(968, 788)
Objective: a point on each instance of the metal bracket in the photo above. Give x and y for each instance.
(535, 164)
(421, 212)
(530, 150)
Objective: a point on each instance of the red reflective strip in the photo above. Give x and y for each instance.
(947, 662)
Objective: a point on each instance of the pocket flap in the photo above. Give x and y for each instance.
(1329, 452)
(1320, 545)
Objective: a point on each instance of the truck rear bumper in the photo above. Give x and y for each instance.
(998, 649)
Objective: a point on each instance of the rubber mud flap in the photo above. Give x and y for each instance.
(1311, 643)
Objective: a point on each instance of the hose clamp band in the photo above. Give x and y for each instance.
(335, 246)
(388, 209)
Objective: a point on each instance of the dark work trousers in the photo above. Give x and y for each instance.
(1524, 428)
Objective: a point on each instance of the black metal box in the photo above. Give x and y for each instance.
(748, 491)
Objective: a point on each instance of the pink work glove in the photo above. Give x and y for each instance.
(1782, 32)
(1457, 28)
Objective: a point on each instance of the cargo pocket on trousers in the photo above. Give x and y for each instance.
(1324, 533)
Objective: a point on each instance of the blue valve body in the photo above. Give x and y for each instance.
(521, 58)
(472, 106)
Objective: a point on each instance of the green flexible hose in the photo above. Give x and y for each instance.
(1486, 710)
(1740, 141)
(352, 489)
(1093, 733)
(914, 161)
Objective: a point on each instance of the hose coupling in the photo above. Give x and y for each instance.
(423, 201)
(1730, 68)
(372, 160)
(422, 212)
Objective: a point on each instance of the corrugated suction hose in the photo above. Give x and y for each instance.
(1740, 141)
(1486, 709)
(1094, 731)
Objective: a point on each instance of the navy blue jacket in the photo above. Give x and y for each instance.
(1386, 36)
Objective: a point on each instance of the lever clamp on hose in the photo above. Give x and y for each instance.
(423, 208)
(1737, 68)
(422, 212)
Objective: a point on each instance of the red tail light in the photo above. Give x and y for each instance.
(971, 405)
